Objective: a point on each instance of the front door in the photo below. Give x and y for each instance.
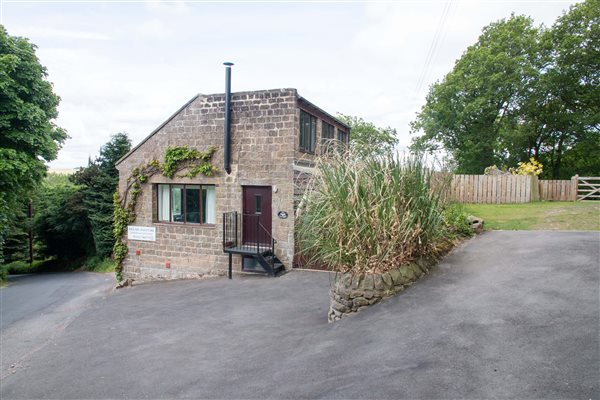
(257, 208)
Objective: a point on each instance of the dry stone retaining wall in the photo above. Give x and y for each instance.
(351, 293)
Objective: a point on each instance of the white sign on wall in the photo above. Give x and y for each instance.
(145, 233)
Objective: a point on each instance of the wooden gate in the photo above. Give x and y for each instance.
(588, 188)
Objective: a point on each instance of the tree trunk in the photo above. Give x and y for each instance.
(556, 166)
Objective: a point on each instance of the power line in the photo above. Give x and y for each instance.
(434, 46)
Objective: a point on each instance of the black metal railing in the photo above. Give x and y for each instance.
(230, 229)
(262, 240)
(244, 234)
(238, 230)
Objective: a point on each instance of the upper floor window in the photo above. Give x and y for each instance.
(327, 135)
(342, 136)
(327, 131)
(191, 204)
(308, 132)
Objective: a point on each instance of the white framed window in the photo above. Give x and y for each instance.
(186, 204)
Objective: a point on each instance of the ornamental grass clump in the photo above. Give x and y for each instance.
(370, 213)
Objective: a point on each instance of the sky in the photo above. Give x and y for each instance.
(126, 66)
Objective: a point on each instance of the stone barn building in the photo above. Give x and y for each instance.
(241, 216)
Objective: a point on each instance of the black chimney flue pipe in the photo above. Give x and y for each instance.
(227, 144)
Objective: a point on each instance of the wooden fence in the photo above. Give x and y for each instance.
(496, 189)
(500, 189)
(558, 190)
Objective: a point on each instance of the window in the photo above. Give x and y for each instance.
(326, 136)
(186, 204)
(327, 131)
(258, 204)
(308, 132)
(342, 136)
(192, 204)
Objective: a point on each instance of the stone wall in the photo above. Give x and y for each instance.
(351, 293)
(264, 134)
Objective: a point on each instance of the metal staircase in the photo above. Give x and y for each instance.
(263, 249)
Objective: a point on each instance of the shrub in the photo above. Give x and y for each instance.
(369, 213)
(23, 267)
(455, 219)
(99, 264)
(3, 275)
(531, 167)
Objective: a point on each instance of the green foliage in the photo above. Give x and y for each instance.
(99, 264)
(206, 169)
(521, 91)
(122, 216)
(3, 275)
(567, 106)
(61, 221)
(466, 112)
(99, 181)
(583, 158)
(56, 194)
(22, 267)
(369, 213)
(455, 220)
(16, 244)
(28, 137)
(366, 137)
(177, 158)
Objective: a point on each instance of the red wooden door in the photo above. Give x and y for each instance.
(257, 208)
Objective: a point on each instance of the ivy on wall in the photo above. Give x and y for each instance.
(176, 159)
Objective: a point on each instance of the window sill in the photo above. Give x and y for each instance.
(189, 224)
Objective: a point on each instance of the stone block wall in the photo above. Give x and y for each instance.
(351, 293)
(264, 133)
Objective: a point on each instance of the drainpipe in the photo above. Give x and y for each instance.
(227, 144)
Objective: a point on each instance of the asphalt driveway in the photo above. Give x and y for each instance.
(506, 315)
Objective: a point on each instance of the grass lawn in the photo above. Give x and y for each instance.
(578, 216)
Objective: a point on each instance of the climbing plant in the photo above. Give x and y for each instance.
(176, 159)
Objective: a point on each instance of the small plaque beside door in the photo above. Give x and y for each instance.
(282, 215)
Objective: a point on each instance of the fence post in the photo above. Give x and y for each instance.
(574, 187)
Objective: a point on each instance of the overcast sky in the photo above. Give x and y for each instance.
(127, 66)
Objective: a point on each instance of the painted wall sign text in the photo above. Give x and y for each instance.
(144, 233)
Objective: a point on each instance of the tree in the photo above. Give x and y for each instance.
(61, 226)
(16, 241)
(99, 181)
(521, 91)
(365, 136)
(480, 98)
(570, 88)
(28, 136)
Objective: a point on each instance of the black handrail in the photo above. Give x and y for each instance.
(232, 235)
(260, 228)
(230, 229)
